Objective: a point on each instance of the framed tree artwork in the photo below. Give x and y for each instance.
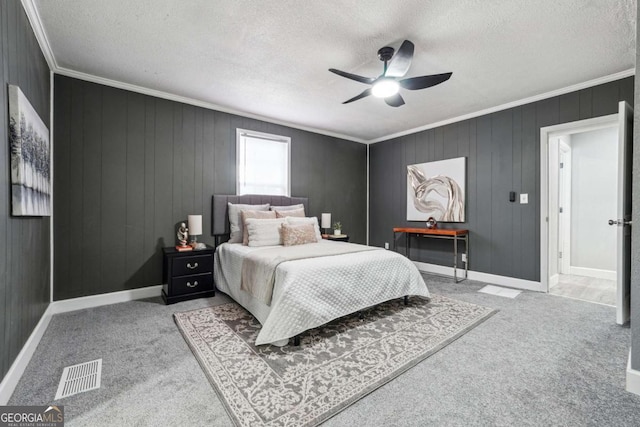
(30, 158)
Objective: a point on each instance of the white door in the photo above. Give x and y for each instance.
(623, 222)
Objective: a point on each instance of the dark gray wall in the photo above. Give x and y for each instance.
(128, 167)
(24, 242)
(503, 154)
(635, 228)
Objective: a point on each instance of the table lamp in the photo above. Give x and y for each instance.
(195, 229)
(325, 224)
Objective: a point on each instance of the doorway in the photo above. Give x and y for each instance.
(585, 209)
(583, 171)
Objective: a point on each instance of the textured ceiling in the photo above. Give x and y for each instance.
(270, 58)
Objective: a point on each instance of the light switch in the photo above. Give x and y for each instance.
(524, 199)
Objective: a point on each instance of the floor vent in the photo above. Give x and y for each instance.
(79, 378)
(501, 292)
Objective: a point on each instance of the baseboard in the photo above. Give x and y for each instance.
(494, 279)
(633, 378)
(553, 280)
(10, 380)
(594, 272)
(13, 375)
(74, 304)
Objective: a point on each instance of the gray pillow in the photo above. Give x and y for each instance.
(235, 221)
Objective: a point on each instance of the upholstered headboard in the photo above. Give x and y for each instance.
(220, 215)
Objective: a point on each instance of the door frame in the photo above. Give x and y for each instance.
(564, 220)
(547, 132)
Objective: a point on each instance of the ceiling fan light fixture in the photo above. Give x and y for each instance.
(384, 88)
(387, 85)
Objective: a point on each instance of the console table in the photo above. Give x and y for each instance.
(439, 233)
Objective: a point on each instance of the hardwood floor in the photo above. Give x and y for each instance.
(586, 288)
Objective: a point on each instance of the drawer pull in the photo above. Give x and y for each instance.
(195, 283)
(192, 267)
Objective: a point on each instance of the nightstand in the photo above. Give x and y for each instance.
(340, 238)
(187, 275)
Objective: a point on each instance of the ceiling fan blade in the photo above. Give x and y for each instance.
(394, 100)
(401, 61)
(367, 80)
(422, 82)
(366, 92)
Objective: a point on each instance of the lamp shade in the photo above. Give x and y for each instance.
(326, 220)
(195, 225)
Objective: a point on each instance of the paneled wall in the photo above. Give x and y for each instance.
(24, 241)
(130, 166)
(503, 154)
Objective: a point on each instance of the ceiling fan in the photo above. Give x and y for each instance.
(388, 84)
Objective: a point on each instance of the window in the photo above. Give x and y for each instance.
(262, 163)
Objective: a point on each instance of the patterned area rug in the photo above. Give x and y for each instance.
(334, 366)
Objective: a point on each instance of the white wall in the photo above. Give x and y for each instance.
(593, 199)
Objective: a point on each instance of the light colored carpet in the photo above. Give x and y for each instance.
(540, 361)
(334, 366)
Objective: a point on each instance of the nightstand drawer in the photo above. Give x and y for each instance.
(194, 264)
(187, 275)
(190, 284)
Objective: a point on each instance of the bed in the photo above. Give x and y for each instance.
(308, 292)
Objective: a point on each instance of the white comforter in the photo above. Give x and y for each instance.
(311, 292)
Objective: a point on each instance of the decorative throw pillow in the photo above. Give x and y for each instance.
(253, 214)
(291, 212)
(287, 208)
(235, 222)
(264, 232)
(310, 220)
(298, 234)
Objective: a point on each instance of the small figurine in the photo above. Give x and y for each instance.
(183, 235)
(431, 223)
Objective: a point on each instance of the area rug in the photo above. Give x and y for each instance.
(334, 366)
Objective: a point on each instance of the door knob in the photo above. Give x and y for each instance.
(619, 222)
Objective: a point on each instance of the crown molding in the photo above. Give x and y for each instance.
(196, 102)
(43, 41)
(590, 83)
(36, 24)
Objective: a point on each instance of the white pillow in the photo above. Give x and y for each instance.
(264, 232)
(287, 208)
(311, 220)
(244, 215)
(235, 221)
